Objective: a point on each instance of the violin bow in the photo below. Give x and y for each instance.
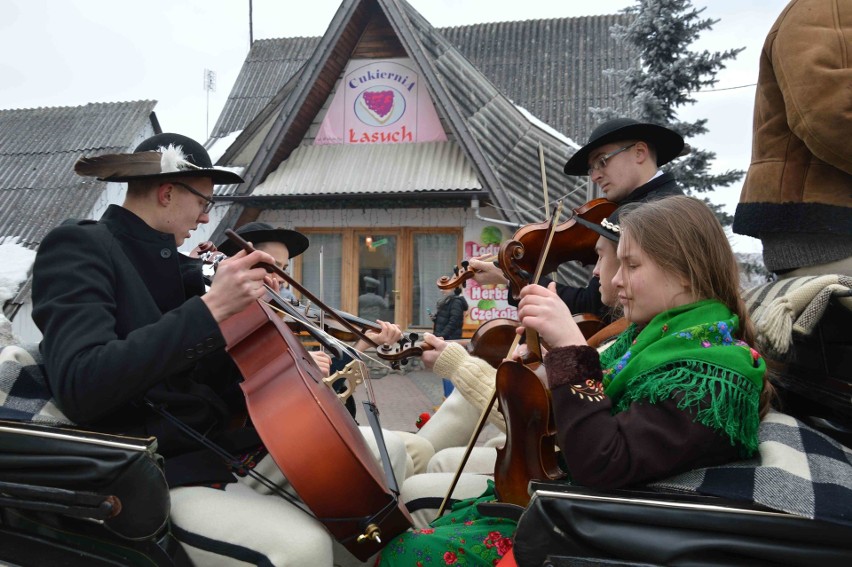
(531, 337)
(237, 239)
(543, 178)
(321, 280)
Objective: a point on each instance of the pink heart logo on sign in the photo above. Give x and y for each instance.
(380, 102)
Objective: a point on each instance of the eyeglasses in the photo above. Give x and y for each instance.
(600, 162)
(210, 202)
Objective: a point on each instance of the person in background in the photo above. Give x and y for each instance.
(449, 321)
(797, 195)
(371, 305)
(449, 314)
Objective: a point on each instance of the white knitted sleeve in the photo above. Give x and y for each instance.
(473, 377)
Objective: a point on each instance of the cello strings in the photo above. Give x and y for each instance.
(313, 328)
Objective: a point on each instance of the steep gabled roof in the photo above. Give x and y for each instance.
(499, 139)
(38, 148)
(554, 68)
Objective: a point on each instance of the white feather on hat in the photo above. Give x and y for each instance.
(173, 159)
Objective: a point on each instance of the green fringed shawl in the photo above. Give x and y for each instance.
(690, 350)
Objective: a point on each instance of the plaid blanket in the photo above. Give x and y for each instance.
(785, 308)
(798, 470)
(24, 393)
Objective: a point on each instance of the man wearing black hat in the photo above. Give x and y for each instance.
(622, 158)
(283, 245)
(128, 326)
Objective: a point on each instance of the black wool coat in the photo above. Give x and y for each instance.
(449, 317)
(122, 319)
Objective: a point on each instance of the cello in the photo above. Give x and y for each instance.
(302, 424)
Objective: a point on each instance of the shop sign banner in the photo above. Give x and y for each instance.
(486, 302)
(380, 102)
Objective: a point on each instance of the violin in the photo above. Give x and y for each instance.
(515, 466)
(301, 424)
(330, 325)
(530, 448)
(459, 277)
(461, 274)
(489, 343)
(309, 313)
(571, 241)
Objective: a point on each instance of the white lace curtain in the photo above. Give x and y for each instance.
(332, 247)
(435, 255)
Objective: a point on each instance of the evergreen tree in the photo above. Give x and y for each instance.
(661, 32)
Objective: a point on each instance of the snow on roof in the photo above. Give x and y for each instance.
(549, 129)
(218, 146)
(17, 261)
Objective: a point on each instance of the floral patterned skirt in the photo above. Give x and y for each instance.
(462, 537)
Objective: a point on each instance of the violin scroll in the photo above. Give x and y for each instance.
(399, 353)
(509, 257)
(459, 277)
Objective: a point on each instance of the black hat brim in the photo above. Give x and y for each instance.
(606, 233)
(218, 175)
(296, 242)
(667, 143)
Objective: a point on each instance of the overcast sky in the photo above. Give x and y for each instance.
(72, 52)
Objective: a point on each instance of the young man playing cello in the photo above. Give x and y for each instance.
(126, 321)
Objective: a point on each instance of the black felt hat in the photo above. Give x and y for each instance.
(257, 232)
(164, 155)
(667, 143)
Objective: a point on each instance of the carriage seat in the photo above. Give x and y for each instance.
(75, 497)
(57, 479)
